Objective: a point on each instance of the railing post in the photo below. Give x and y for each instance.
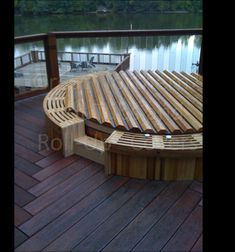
(200, 70)
(51, 60)
(34, 55)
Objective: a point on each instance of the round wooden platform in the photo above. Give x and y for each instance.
(146, 101)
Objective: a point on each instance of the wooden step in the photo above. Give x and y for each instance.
(89, 148)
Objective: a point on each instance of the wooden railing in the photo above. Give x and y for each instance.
(99, 58)
(50, 40)
(22, 60)
(124, 65)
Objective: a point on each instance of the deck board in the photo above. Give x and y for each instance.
(75, 204)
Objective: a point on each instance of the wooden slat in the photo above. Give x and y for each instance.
(26, 166)
(198, 246)
(127, 239)
(101, 104)
(183, 84)
(23, 180)
(128, 116)
(192, 78)
(140, 116)
(59, 177)
(183, 89)
(190, 83)
(152, 117)
(185, 126)
(22, 197)
(97, 240)
(177, 105)
(198, 76)
(46, 161)
(181, 98)
(113, 107)
(183, 240)
(19, 237)
(63, 204)
(80, 100)
(163, 230)
(20, 215)
(155, 104)
(90, 102)
(76, 213)
(55, 167)
(55, 193)
(26, 153)
(69, 98)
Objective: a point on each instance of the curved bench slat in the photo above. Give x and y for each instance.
(152, 117)
(128, 116)
(115, 112)
(187, 95)
(101, 104)
(184, 85)
(189, 82)
(168, 96)
(139, 115)
(173, 127)
(172, 89)
(193, 79)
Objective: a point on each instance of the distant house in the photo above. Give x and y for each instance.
(102, 9)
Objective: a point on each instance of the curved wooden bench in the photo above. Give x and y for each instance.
(154, 156)
(62, 125)
(127, 153)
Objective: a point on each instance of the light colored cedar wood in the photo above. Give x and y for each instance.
(187, 87)
(113, 107)
(188, 105)
(189, 82)
(101, 104)
(153, 160)
(149, 112)
(154, 104)
(69, 133)
(80, 100)
(90, 148)
(128, 116)
(141, 118)
(198, 76)
(199, 169)
(180, 169)
(184, 112)
(90, 102)
(187, 95)
(192, 78)
(179, 120)
(69, 98)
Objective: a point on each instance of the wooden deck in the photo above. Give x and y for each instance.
(68, 204)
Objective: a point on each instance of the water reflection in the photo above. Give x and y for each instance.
(153, 52)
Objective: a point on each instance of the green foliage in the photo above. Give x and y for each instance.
(36, 7)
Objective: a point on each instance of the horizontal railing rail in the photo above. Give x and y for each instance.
(50, 43)
(22, 60)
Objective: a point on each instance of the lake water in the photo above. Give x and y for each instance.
(154, 52)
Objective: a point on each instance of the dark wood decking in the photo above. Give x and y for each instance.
(68, 204)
